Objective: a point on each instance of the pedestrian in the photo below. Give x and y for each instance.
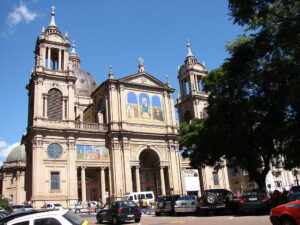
(141, 205)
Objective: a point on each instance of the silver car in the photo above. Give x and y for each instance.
(187, 204)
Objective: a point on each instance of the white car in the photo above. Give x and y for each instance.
(83, 207)
(61, 217)
(52, 206)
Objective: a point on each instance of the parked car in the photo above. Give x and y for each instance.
(165, 204)
(286, 214)
(83, 207)
(216, 200)
(254, 200)
(61, 217)
(119, 211)
(10, 217)
(19, 208)
(187, 204)
(52, 206)
(294, 194)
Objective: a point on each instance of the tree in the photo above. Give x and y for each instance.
(3, 202)
(254, 97)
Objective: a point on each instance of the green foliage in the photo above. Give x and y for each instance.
(3, 202)
(254, 101)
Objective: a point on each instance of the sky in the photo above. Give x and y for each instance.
(107, 32)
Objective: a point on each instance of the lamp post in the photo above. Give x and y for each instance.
(295, 173)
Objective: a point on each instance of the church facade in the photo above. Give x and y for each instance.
(89, 142)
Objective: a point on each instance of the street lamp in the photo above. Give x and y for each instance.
(295, 173)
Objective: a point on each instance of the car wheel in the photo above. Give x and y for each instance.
(99, 220)
(77, 211)
(157, 214)
(137, 220)
(288, 221)
(115, 220)
(211, 198)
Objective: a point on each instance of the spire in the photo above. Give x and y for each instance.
(73, 48)
(189, 52)
(110, 74)
(141, 65)
(52, 22)
(67, 35)
(43, 29)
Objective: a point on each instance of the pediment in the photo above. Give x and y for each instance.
(144, 79)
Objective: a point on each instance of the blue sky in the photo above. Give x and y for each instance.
(106, 32)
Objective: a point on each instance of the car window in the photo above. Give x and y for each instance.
(57, 205)
(73, 218)
(131, 198)
(149, 196)
(126, 204)
(48, 206)
(255, 192)
(187, 197)
(295, 189)
(47, 221)
(28, 207)
(22, 223)
(114, 204)
(165, 198)
(17, 207)
(106, 206)
(135, 197)
(141, 196)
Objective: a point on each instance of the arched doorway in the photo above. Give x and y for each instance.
(153, 177)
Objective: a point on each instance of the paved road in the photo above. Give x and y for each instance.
(192, 220)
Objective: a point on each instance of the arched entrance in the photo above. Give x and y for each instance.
(153, 177)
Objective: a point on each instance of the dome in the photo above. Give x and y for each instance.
(85, 83)
(17, 154)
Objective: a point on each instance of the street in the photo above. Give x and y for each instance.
(203, 220)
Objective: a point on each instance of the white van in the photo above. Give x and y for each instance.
(137, 196)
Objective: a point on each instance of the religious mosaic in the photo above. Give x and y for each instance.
(92, 152)
(144, 106)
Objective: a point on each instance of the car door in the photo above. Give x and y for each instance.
(104, 213)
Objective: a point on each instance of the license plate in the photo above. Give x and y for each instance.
(252, 199)
(130, 216)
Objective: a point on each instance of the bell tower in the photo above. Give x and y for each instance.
(193, 99)
(51, 86)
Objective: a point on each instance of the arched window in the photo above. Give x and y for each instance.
(187, 116)
(54, 105)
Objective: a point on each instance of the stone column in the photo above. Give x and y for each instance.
(102, 174)
(109, 181)
(59, 59)
(83, 186)
(49, 58)
(162, 181)
(137, 178)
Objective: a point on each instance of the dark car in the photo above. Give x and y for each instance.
(287, 214)
(254, 200)
(10, 217)
(118, 212)
(216, 200)
(294, 194)
(165, 204)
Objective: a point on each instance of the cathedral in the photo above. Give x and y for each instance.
(86, 141)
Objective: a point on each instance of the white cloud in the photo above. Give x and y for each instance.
(5, 150)
(3, 144)
(19, 14)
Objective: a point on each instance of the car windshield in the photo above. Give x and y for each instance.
(188, 197)
(255, 192)
(127, 204)
(57, 205)
(295, 189)
(28, 207)
(73, 219)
